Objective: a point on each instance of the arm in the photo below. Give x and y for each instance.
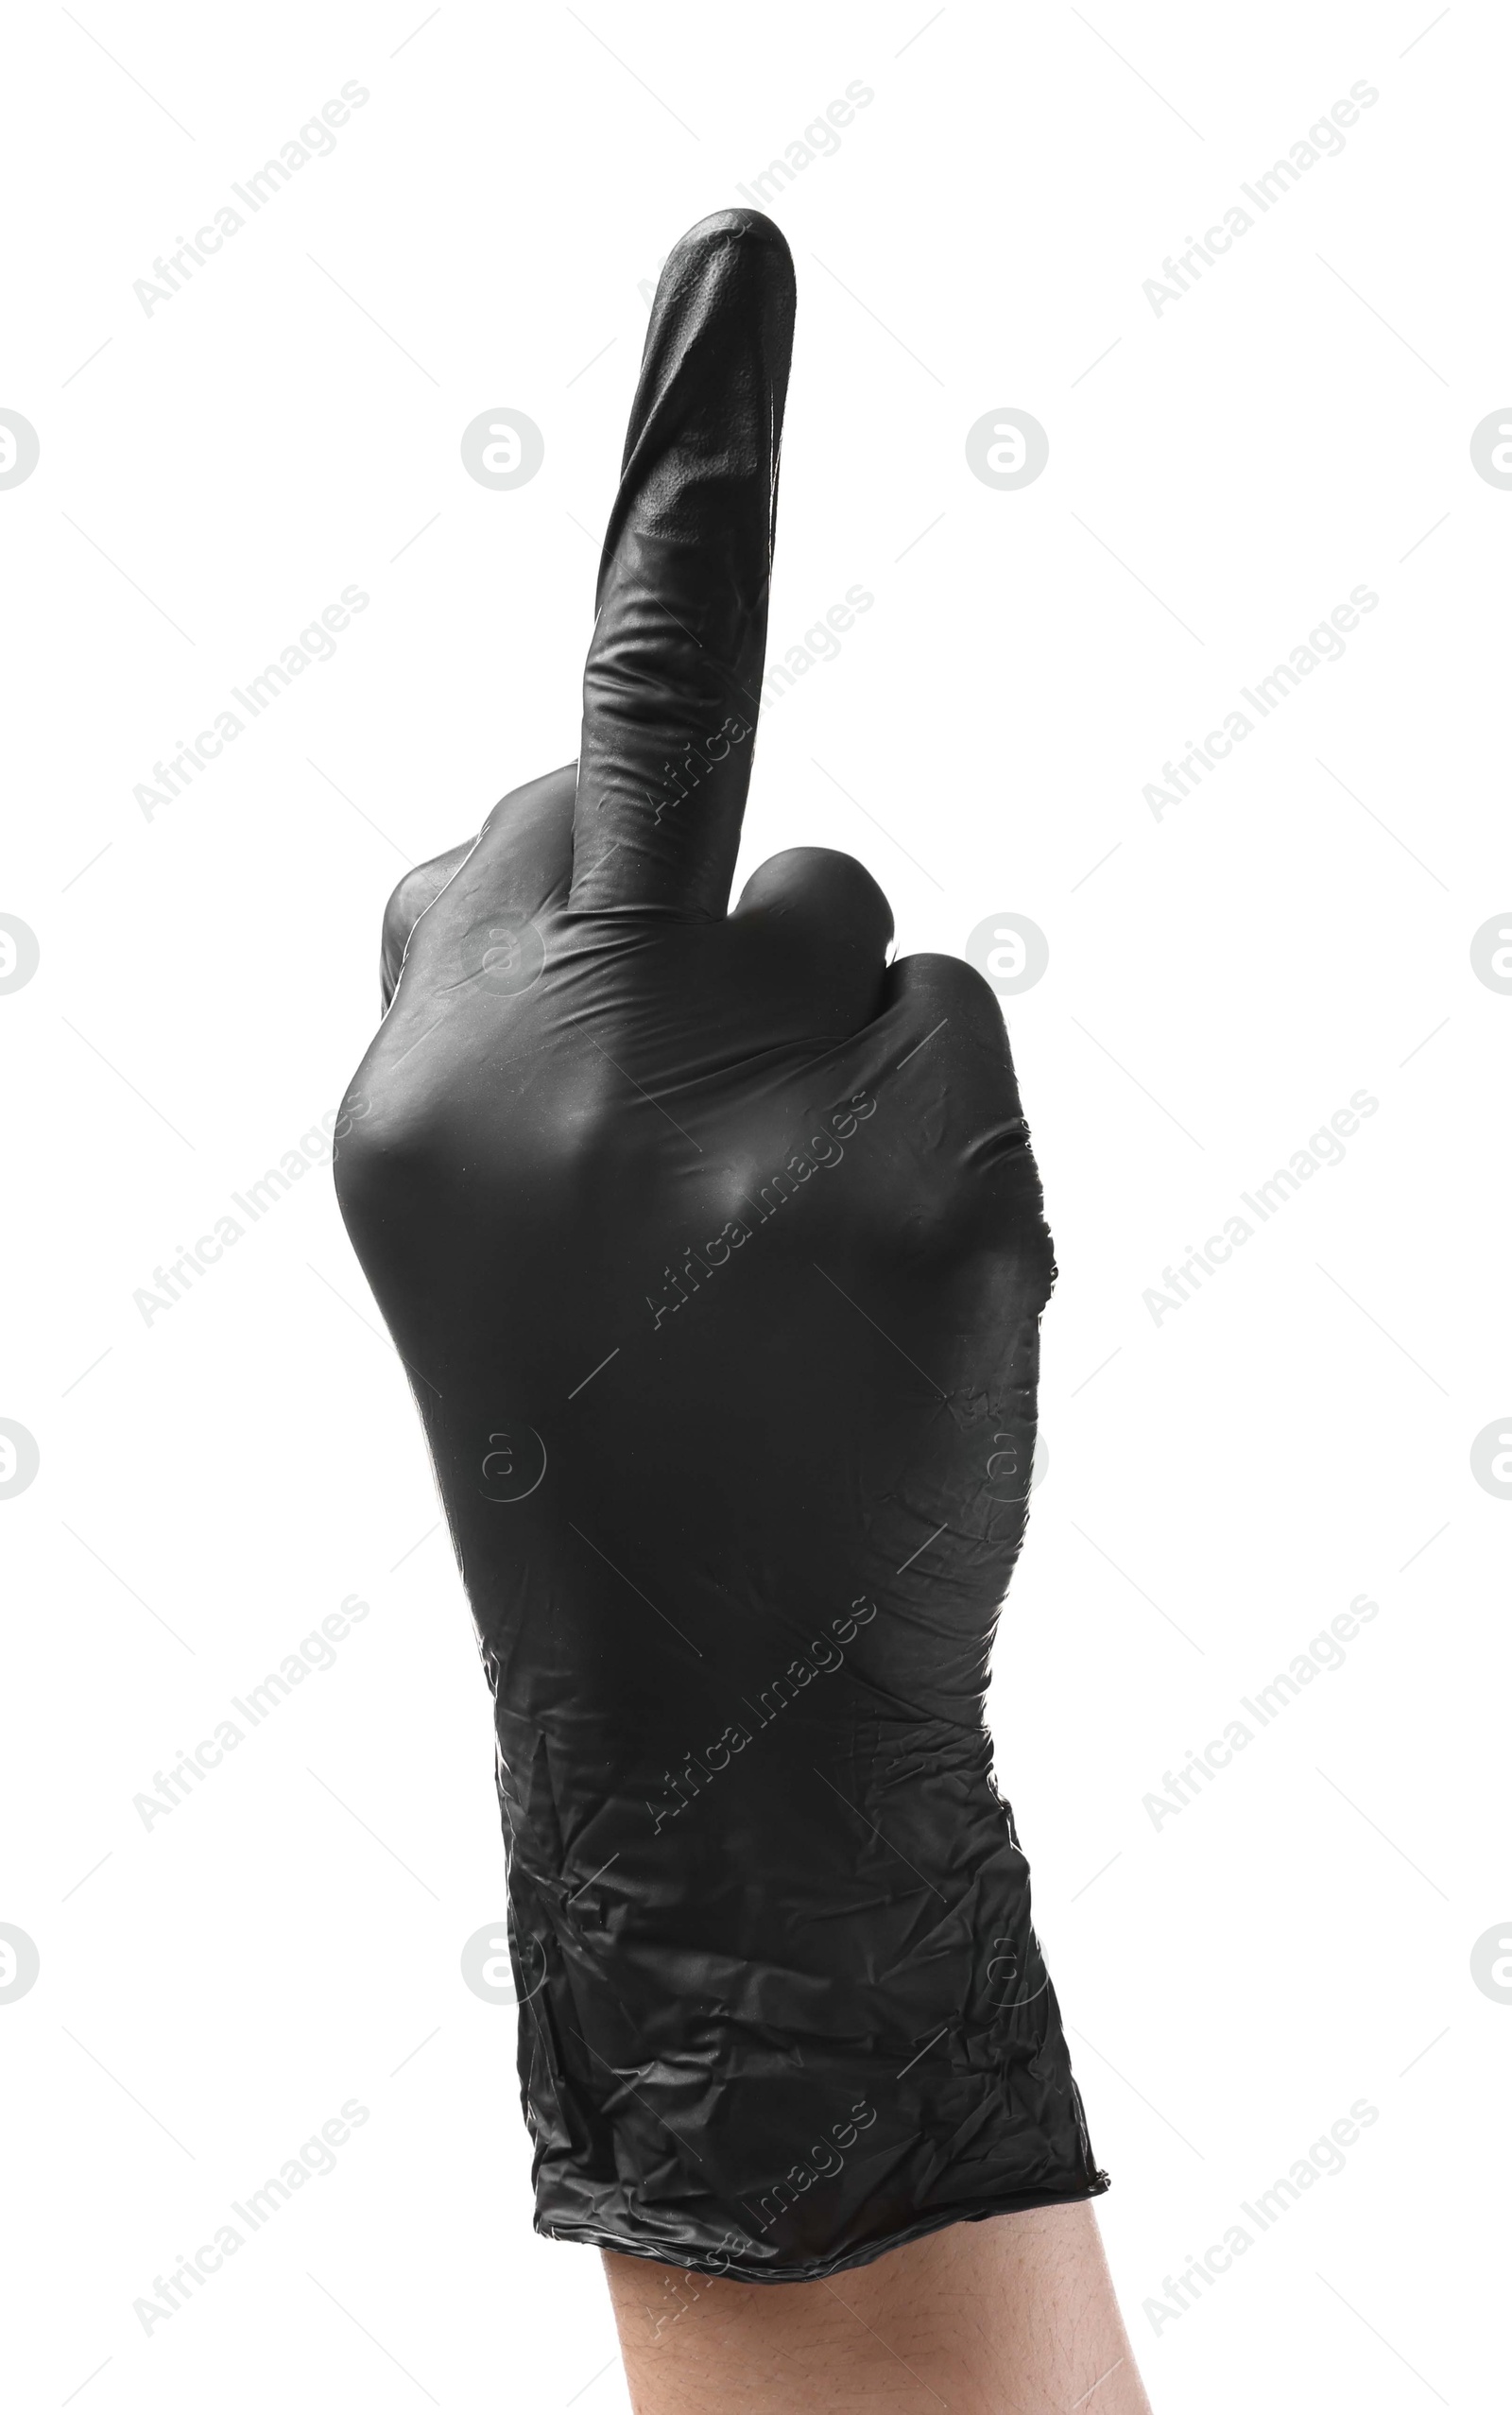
(986, 2318)
(714, 1245)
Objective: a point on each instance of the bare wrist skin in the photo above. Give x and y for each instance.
(1011, 2316)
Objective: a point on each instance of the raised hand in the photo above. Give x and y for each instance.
(714, 1247)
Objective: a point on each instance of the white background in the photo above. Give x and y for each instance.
(1299, 1433)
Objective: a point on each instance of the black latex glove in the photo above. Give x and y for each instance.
(714, 1247)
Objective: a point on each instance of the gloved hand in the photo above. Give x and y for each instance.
(712, 1244)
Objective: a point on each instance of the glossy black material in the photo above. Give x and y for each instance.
(714, 1247)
